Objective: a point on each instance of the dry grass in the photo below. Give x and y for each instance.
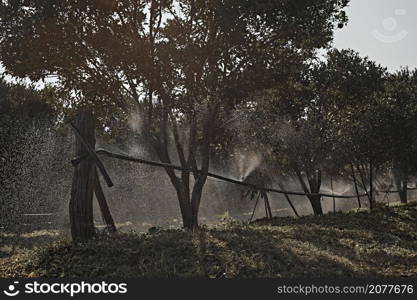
(381, 243)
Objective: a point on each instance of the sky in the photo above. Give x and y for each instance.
(383, 30)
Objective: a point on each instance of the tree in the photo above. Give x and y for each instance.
(400, 115)
(329, 116)
(306, 147)
(351, 88)
(294, 131)
(23, 110)
(178, 64)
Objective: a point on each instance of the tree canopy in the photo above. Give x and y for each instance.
(180, 65)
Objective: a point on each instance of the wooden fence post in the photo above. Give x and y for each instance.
(104, 208)
(371, 186)
(334, 199)
(81, 203)
(355, 184)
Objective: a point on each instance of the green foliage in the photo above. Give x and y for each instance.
(399, 112)
(348, 88)
(23, 104)
(21, 108)
(28, 116)
(113, 54)
(181, 65)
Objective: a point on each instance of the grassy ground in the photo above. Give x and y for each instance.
(381, 243)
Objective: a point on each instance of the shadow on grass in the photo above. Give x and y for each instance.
(12, 242)
(381, 243)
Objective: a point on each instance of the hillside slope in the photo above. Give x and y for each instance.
(381, 243)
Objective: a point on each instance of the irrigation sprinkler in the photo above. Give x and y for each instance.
(220, 177)
(228, 180)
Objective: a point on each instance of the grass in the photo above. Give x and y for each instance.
(380, 243)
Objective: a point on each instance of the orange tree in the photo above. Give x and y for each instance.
(178, 64)
(400, 117)
(351, 87)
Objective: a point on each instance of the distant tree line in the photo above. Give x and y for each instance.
(345, 117)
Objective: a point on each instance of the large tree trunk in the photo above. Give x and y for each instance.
(81, 203)
(183, 196)
(196, 199)
(189, 200)
(315, 201)
(192, 198)
(315, 184)
(189, 206)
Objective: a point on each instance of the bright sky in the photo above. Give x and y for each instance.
(383, 30)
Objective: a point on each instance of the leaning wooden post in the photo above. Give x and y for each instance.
(334, 199)
(268, 210)
(254, 209)
(104, 208)
(81, 203)
(288, 200)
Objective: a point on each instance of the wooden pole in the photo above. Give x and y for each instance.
(254, 209)
(104, 208)
(209, 174)
(362, 175)
(355, 182)
(267, 205)
(371, 179)
(89, 152)
(81, 202)
(288, 200)
(334, 199)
